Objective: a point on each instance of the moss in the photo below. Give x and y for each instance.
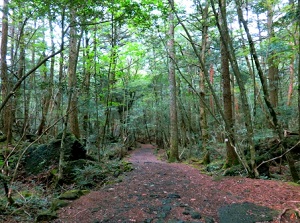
(46, 216)
(71, 195)
(126, 166)
(233, 170)
(294, 184)
(57, 204)
(40, 157)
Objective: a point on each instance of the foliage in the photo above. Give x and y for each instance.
(28, 203)
(122, 85)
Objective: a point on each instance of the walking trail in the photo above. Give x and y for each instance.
(156, 191)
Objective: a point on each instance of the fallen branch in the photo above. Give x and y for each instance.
(278, 157)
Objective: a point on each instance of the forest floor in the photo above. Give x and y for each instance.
(157, 191)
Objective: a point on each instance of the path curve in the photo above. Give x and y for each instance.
(156, 191)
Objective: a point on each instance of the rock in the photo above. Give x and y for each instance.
(245, 212)
(166, 208)
(154, 195)
(186, 212)
(195, 215)
(39, 158)
(173, 196)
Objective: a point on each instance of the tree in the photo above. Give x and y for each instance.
(273, 66)
(276, 124)
(173, 156)
(231, 158)
(72, 76)
(203, 115)
(7, 114)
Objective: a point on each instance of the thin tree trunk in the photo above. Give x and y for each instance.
(277, 126)
(203, 115)
(72, 77)
(243, 94)
(211, 81)
(4, 90)
(86, 87)
(273, 67)
(291, 83)
(60, 76)
(5, 85)
(111, 81)
(47, 92)
(173, 156)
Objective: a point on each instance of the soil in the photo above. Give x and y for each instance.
(157, 191)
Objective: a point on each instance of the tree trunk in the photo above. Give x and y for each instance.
(231, 158)
(72, 77)
(224, 32)
(277, 126)
(291, 83)
(173, 156)
(48, 90)
(86, 84)
(203, 116)
(273, 67)
(5, 79)
(6, 116)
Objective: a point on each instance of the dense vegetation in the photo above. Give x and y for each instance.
(213, 82)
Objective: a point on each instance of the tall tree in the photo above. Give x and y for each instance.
(272, 64)
(231, 158)
(228, 43)
(276, 124)
(203, 115)
(173, 156)
(72, 77)
(5, 78)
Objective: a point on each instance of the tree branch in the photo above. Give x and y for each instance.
(278, 157)
(19, 82)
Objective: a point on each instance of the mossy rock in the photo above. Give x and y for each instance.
(46, 216)
(39, 158)
(58, 203)
(71, 195)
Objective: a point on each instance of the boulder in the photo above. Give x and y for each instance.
(41, 158)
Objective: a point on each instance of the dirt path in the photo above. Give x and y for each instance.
(160, 192)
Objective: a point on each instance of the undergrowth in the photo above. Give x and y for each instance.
(32, 198)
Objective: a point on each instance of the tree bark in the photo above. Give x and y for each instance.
(86, 83)
(5, 79)
(72, 77)
(291, 82)
(273, 67)
(173, 156)
(224, 32)
(231, 156)
(277, 127)
(203, 116)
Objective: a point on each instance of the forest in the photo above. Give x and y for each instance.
(215, 84)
